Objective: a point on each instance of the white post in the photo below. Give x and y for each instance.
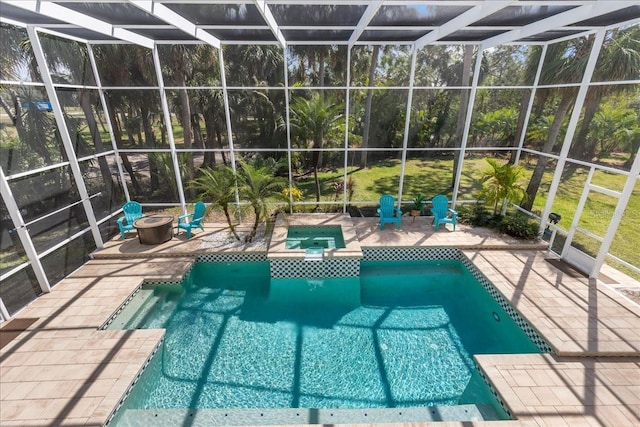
(286, 105)
(23, 233)
(167, 122)
(346, 131)
(4, 313)
(225, 96)
(467, 125)
(571, 129)
(64, 135)
(407, 122)
(107, 116)
(527, 115)
(616, 217)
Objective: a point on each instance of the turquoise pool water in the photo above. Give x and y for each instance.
(401, 336)
(304, 237)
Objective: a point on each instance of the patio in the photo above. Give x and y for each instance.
(62, 370)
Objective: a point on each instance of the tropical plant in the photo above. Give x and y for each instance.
(295, 193)
(519, 226)
(259, 186)
(501, 184)
(312, 120)
(418, 202)
(218, 185)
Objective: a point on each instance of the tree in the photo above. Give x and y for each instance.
(564, 62)
(619, 60)
(501, 184)
(258, 185)
(311, 120)
(218, 185)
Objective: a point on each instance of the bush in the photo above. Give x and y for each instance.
(477, 216)
(519, 226)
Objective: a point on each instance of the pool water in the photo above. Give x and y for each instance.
(304, 237)
(402, 335)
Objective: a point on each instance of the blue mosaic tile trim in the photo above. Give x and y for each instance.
(532, 333)
(409, 254)
(291, 267)
(135, 380)
(421, 253)
(495, 393)
(162, 282)
(232, 257)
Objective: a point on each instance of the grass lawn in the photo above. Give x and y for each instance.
(432, 177)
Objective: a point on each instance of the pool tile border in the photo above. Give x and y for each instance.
(333, 268)
(126, 302)
(528, 329)
(423, 253)
(135, 380)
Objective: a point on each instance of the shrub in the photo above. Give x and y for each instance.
(519, 226)
(477, 216)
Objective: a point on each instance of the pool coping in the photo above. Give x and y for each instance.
(277, 246)
(387, 254)
(573, 387)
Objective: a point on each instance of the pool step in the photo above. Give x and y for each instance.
(237, 416)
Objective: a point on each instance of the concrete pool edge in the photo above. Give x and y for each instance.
(277, 246)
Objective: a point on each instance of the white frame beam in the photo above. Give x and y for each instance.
(64, 135)
(162, 12)
(407, 123)
(469, 17)
(271, 21)
(107, 115)
(23, 233)
(167, 123)
(616, 218)
(65, 14)
(571, 129)
(366, 17)
(556, 21)
(467, 126)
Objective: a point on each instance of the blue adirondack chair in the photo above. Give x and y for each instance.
(442, 214)
(132, 211)
(196, 218)
(388, 211)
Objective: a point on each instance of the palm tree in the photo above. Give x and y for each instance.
(501, 184)
(219, 185)
(312, 119)
(564, 62)
(258, 185)
(619, 60)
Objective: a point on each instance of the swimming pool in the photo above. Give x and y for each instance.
(403, 335)
(305, 237)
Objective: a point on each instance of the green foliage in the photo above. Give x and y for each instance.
(501, 184)
(258, 185)
(217, 185)
(296, 193)
(516, 225)
(477, 216)
(418, 202)
(519, 226)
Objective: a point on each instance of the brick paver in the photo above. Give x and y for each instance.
(64, 371)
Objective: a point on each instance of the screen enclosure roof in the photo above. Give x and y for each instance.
(487, 23)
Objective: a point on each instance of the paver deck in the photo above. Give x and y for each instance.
(62, 370)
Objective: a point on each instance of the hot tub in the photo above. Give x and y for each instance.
(305, 237)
